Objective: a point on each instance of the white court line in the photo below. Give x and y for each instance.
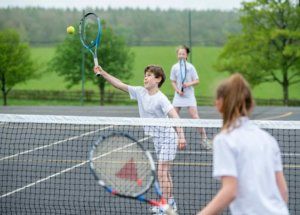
(52, 144)
(210, 152)
(51, 176)
(41, 180)
(277, 117)
(120, 148)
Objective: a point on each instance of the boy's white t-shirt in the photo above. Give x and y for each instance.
(252, 156)
(150, 106)
(156, 106)
(188, 98)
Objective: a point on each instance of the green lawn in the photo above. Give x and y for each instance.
(203, 59)
(166, 57)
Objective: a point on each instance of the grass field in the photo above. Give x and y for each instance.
(203, 59)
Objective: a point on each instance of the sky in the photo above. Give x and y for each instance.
(142, 4)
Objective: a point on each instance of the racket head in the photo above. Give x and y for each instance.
(182, 69)
(182, 65)
(121, 165)
(90, 30)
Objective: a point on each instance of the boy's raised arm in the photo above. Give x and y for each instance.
(111, 79)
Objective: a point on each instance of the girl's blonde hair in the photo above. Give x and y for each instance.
(236, 99)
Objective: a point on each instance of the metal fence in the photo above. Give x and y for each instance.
(114, 97)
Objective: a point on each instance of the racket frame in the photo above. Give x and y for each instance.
(182, 67)
(96, 42)
(162, 203)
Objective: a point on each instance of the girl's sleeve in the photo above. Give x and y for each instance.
(172, 74)
(277, 157)
(224, 161)
(194, 73)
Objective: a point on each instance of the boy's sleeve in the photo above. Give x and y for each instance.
(224, 162)
(133, 92)
(166, 105)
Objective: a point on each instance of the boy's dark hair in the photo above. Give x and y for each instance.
(187, 49)
(157, 71)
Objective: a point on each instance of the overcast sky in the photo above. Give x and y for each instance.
(153, 4)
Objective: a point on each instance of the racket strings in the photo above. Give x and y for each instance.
(89, 30)
(122, 165)
(182, 70)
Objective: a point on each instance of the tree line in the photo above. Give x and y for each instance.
(265, 50)
(39, 26)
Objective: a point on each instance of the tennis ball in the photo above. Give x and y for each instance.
(70, 30)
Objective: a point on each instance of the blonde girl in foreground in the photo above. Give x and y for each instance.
(246, 159)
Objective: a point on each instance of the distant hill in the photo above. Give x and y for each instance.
(40, 26)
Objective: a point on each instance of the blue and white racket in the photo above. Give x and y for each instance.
(124, 168)
(182, 65)
(90, 34)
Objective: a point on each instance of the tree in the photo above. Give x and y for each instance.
(114, 56)
(268, 48)
(136, 25)
(15, 63)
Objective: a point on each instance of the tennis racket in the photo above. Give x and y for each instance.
(90, 34)
(124, 168)
(183, 71)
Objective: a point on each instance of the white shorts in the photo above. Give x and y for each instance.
(165, 148)
(165, 141)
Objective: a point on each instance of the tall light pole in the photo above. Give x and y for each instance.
(190, 33)
(82, 72)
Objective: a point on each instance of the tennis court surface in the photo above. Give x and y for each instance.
(44, 164)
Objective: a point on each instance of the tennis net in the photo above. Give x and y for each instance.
(44, 163)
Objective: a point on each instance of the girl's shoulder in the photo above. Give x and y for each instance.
(175, 65)
(190, 66)
(221, 137)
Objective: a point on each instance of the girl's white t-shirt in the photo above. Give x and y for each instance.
(188, 98)
(253, 157)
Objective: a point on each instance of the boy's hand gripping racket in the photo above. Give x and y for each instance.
(124, 168)
(90, 34)
(183, 71)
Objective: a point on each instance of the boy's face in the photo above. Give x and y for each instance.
(150, 81)
(181, 53)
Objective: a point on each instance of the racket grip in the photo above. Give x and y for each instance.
(181, 89)
(96, 64)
